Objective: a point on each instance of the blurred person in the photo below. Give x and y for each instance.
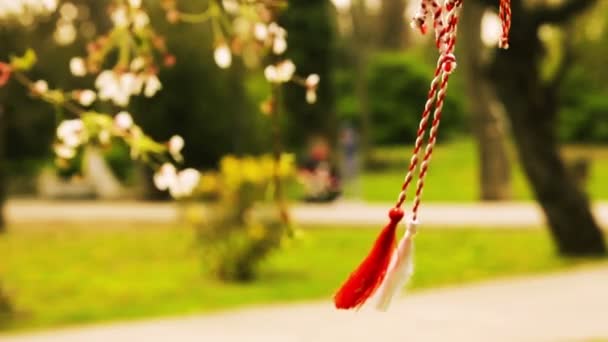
(350, 161)
(319, 177)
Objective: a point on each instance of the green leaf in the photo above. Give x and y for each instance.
(25, 62)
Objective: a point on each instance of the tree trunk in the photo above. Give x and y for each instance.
(360, 46)
(5, 305)
(487, 114)
(532, 109)
(565, 205)
(304, 19)
(2, 169)
(392, 26)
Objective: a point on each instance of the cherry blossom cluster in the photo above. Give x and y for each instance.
(253, 34)
(24, 11)
(134, 52)
(134, 72)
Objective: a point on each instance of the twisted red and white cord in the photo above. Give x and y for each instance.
(445, 65)
(386, 269)
(504, 14)
(401, 265)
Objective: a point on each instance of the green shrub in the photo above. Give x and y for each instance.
(584, 109)
(398, 88)
(398, 84)
(241, 227)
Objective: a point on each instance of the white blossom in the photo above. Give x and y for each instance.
(86, 97)
(78, 67)
(185, 183)
(222, 56)
(342, 5)
(152, 86)
(107, 84)
(70, 132)
(68, 11)
(135, 3)
(118, 88)
(311, 96)
(279, 45)
(40, 86)
(140, 20)
(64, 152)
(65, 33)
(123, 120)
(119, 17)
(180, 184)
(129, 83)
(276, 30)
(175, 146)
(280, 73)
(260, 31)
(312, 81)
(137, 64)
(49, 5)
(121, 99)
(491, 29)
(231, 6)
(22, 8)
(279, 38)
(104, 137)
(165, 177)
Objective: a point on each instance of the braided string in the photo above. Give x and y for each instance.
(505, 17)
(420, 135)
(437, 21)
(445, 23)
(445, 41)
(419, 20)
(448, 63)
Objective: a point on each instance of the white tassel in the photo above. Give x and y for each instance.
(400, 269)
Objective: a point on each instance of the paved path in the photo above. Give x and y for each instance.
(508, 215)
(562, 307)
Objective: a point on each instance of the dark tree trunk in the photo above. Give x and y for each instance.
(5, 305)
(487, 115)
(532, 109)
(392, 26)
(305, 19)
(360, 50)
(3, 183)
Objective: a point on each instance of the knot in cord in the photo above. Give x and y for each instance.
(448, 63)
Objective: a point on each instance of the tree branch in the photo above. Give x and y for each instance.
(565, 65)
(561, 13)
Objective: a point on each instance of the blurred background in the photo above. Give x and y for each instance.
(520, 167)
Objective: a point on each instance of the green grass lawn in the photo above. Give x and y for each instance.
(454, 172)
(68, 276)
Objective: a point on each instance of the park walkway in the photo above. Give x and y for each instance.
(569, 306)
(495, 215)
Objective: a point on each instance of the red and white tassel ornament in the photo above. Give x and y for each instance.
(387, 269)
(364, 281)
(400, 269)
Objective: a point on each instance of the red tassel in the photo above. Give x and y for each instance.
(364, 281)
